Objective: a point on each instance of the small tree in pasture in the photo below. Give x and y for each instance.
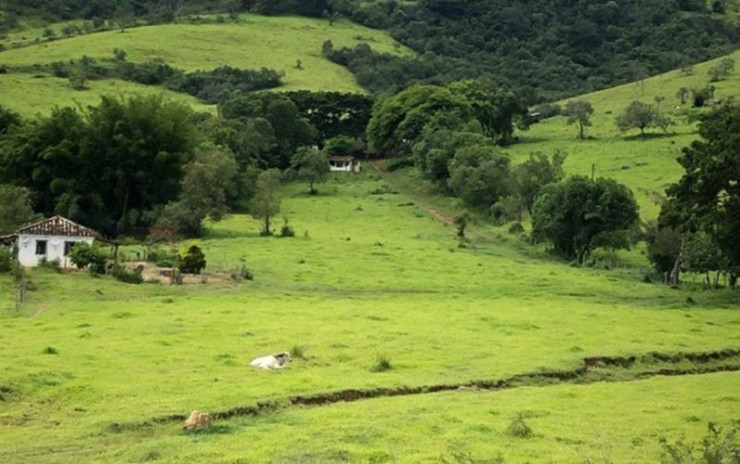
(266, 202)
(579, 112)
(310, 165)
(641, 116)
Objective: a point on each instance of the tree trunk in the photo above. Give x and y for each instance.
(676, 271)
(122, 223)
(580, 130)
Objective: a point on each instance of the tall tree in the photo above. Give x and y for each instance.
(707, 197)
(480, 175)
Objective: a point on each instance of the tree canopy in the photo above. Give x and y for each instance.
(707, 197)
(579, 214)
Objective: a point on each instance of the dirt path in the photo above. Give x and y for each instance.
(397, 186)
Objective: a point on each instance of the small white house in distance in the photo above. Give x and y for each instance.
(344, 164)
(52, 239)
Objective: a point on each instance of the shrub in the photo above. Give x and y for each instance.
(518, 428)
(53, 265)
(715, 448)
(165, 263)
(50, 350)
(133, 276)
(192, 261)
(286, 230)
(382, 364)
(83, 255)
(5, 260)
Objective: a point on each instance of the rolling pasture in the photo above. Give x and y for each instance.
(646, 164)
(251, 42)
(92, 368)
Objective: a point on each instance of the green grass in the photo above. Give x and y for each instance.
(647, 165)
(29, 95)
(367, 277)
(254, 42)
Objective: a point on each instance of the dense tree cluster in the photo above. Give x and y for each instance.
(557, 48)
(699, 225)
(209, 86)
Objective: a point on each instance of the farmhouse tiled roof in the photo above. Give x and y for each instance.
(57, 225)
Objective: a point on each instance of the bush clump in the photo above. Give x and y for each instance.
(5, 260)
(133, 276)
(93, 257)
(518, 428)
(192, 261)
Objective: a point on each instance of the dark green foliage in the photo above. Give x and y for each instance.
(15, 208)
(480, 175)
(121, 274)
(719, 446)
(334, 114)
(707, 197)
(192, 261)
(6, 259)
(83, 255)
(436, 148)
(700, 97)
(286, 230)
(399, 121)
(8, 119)
(273, 122)
(212, 86)
(382, 364)
(106, 167)
(663, 247)
(50, 350)
(343, 145)
(580, 214)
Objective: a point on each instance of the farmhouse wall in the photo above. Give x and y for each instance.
(57, 248)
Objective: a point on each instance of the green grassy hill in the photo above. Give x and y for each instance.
(29, 95)
(253, 42)
(89, 362)
(646, 164)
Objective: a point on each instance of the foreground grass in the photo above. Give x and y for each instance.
(253, 42)
(29, 95)
(369, 275)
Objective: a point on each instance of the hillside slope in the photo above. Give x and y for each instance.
(252, 42)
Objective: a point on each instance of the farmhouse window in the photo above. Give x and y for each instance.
(68, 247)
(41, 247)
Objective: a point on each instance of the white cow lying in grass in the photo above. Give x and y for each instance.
(273, 361)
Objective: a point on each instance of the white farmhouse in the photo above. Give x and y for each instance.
(52, 239)
(344, 164)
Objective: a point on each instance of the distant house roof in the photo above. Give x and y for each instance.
(341, 158)
(57, 225)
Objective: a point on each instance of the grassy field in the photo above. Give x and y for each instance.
(29, 95)
(646, 164)
(253, 42)
(370, 274)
